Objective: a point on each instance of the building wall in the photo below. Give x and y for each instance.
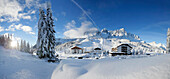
(120, 49)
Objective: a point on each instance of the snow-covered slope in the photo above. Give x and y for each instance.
(19, 65)
(157, 67)
(110, 39)
(157, 45)
(121, 34)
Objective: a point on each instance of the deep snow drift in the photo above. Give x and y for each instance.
(124, 67)
(19, 65)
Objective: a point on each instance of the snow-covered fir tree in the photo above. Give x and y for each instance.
(168, 41)
(50, 32)
(5, 41)
(22, 46)
(8, 41)
(42, 35)
(28, 47)
(18, 47)
(46, 34)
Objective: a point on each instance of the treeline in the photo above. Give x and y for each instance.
(23, 46)
(5, 41)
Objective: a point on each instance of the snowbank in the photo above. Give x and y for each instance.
(156, 67)
(19, 65)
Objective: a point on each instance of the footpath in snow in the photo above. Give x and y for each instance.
(19, 65)
(155, 67)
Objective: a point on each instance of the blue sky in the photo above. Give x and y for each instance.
(147, 18)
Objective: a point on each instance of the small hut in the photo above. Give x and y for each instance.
(76, 50)
(97, 50)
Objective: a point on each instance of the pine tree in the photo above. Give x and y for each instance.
(41, 35)
(18, 46)
(22, 46)
(50, 33)
(8, 41)
(28, 47)
(2, 39)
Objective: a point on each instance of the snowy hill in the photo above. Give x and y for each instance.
(109, 39)
(130, 67)
(20, 65)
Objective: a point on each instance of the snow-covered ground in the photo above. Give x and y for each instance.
(19, 65)
(135, 67)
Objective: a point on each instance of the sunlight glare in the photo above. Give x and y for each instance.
(13, 44)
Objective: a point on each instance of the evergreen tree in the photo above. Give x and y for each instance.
(18, 46)
(22, 46)
(28, 47)
(2, 39)
(50, 33)
(41, 49)
(8, 41)
(46, 34)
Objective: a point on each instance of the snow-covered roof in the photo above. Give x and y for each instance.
(125, 45)
(97, 48)
(76, 47)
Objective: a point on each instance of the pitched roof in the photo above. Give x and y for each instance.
(125, 44)
(97, 48)
(76, 47)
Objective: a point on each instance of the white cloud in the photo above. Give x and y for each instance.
(18, 26)
(11, 28)
(70, 25)
(12, 10)
(78, 32)
(1, 29)
(24, 28)
(9, 9)
(33, 33)
(26, 17)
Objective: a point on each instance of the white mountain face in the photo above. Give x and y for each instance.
(121, 34)
(157, 45)
(108, 40)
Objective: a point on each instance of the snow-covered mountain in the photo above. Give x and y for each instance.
(121, 34)
(157, 45)
(109, 39)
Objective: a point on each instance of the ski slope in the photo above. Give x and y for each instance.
(19, 65)
(135, 67)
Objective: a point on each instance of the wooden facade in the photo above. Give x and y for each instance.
(76, 50)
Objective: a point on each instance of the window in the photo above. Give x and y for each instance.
(124, 49)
